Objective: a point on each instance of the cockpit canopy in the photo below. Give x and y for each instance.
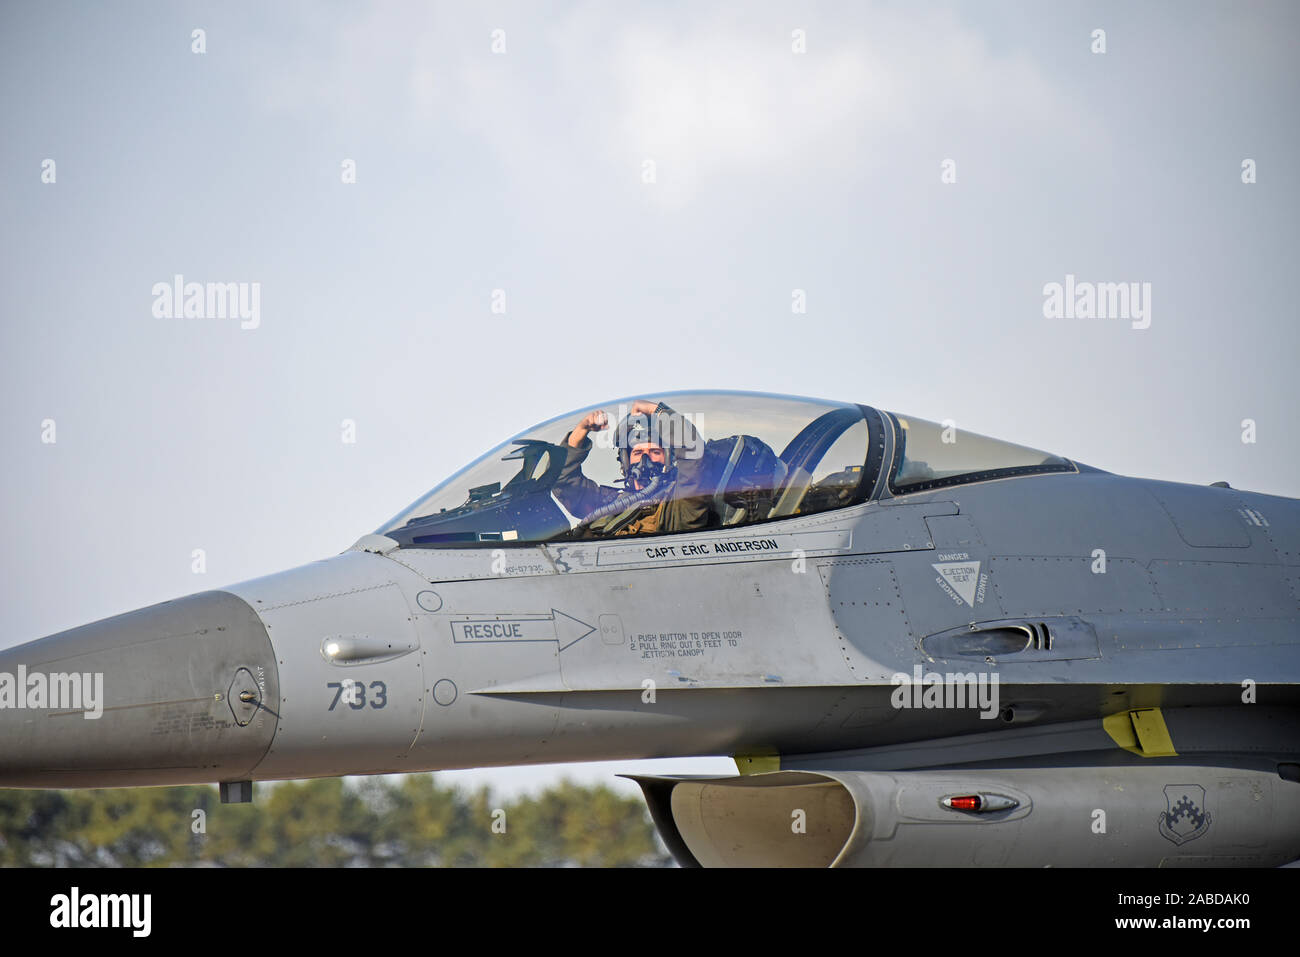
(712, 460)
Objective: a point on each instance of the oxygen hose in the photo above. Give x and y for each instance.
(628, 499)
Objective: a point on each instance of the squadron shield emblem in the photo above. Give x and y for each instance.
(1185, 818)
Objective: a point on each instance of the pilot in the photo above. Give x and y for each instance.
(665, 485)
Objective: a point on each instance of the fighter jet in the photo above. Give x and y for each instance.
(922, 646)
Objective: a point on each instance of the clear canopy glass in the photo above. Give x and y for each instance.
(931, 455)
(651, 465)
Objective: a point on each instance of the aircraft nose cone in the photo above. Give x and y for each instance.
(177, 693)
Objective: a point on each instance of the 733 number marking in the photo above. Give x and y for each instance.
(353, 694)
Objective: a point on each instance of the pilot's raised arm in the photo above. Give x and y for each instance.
(577, 493)
(596, 421)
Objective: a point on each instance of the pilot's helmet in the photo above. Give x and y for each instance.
(634, 430)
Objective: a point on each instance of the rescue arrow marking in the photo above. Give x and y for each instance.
(558, 627)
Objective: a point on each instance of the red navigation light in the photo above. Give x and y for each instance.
(986, 803)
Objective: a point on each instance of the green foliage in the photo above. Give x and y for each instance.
(401, 821)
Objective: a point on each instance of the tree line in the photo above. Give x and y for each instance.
(397, 821)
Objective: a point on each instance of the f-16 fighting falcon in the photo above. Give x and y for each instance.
(922, 646)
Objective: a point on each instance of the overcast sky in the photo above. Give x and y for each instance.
(643, 187)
